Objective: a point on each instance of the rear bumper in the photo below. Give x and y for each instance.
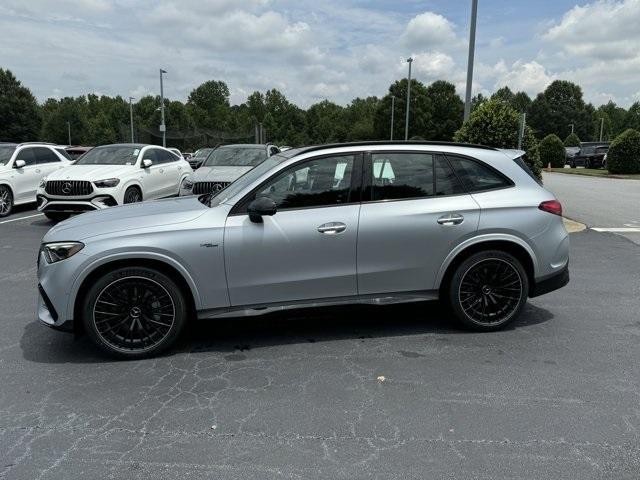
(551, 283)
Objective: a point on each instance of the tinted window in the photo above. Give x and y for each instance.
(110, 155)
(477, 176)
(521, 163)
(5, 154)
(401, 175)
(236, 157)
(64, 153)
(27, 155)
(44, 155)
(164, 156)
(316, 183)
(446, 181)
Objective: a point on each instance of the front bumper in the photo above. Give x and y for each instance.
(75, 205)
(550, 283)
(48, 315)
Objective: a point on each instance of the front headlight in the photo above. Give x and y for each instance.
(43, 182)
(108, 183)
(187, 184)
(56, 251)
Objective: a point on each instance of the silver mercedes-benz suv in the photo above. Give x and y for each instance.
(374, 223)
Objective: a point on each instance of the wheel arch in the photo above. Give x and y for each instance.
(173, 271)
(131, 183)
(515, 246)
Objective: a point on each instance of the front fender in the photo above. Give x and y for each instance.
(102, 259)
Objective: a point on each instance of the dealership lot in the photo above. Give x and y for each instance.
(347, 393)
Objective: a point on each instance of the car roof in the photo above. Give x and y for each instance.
(135, 145)
(244, 145)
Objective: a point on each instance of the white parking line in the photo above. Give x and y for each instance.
(22, 218)
(617, 229)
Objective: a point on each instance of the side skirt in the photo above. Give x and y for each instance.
(375, 299)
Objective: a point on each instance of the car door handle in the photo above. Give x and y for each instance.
(332, 228)
(451, 219)
(162, 170)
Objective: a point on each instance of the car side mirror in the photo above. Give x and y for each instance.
(146, 163)
(19, 164)
(261, 206)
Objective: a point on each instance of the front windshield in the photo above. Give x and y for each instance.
(203, 153)
(125, 155)
(241, 183)
(236, 157)
(5, 154)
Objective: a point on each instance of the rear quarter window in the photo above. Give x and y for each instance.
(476, 176)
(523, 165)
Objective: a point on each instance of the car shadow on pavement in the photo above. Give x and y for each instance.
(234, 335)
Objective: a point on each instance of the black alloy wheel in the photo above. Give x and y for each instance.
(132, 195)
(489, 290)
(134, 312)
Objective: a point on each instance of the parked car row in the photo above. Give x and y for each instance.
(69, 180)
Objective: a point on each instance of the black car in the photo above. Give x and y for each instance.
(199, 157)
(588, 155)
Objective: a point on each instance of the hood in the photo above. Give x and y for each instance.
(127, 218)
(219, 174)
(90, 172)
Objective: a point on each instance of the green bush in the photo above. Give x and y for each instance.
(496, 124)
(624, 153)
(552, 151)
(572, 141)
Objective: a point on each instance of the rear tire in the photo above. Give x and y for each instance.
(488, 290)
(56, 217)
(6, 201)
(134, 312)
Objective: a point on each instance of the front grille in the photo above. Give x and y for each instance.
(69, 188)
(207, 187)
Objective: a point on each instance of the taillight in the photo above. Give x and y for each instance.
(551, 206)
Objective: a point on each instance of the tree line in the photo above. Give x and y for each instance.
(207, 117)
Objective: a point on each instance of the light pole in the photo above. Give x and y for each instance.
(393, 107)
(69, 132)
(601, 127)
(406, 120)
(571, 125)
(163, 127)
(472, 48)
(131, 117)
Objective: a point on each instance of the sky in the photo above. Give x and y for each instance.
(313, 50)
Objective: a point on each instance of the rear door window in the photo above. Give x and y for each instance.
(401, 175)
(477, 176)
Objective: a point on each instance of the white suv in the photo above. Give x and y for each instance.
(112, 175)
(22, 166)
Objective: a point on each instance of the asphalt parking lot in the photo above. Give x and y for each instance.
(386, 392)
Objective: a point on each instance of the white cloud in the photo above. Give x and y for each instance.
(605, 29)
(530, 77)
(429, 66)
(428, 30)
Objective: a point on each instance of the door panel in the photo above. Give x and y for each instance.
(26, 179)
(416, 212)
(286, 258)
(401, 244)
(152, 178)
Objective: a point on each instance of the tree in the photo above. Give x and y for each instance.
(519, 101)
(20, 118)
(496, 124)
(60, 116)
(572, 140)
(419, 113)
(560, 105)
(632, 117)
(552, 151)
(624, 153)
(446, 110)
(616, 119)
(209, 104)
(360, 116)
(326, 123)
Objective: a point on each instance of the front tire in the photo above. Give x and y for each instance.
(488, 290)
(134, 312)
(132, 195)
(56, 217)
(6, 201)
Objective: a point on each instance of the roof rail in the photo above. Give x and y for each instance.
(37, 143)
(312, 148)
